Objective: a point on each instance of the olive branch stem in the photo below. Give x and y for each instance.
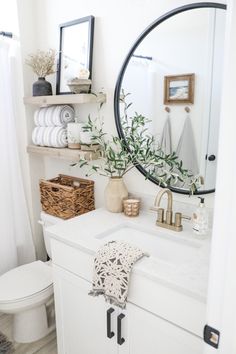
(119, 156)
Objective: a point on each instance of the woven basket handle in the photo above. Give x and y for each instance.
(56, 186)
(80, 180)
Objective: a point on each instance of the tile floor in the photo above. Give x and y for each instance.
(47, 345)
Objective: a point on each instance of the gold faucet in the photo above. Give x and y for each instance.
(166, 221)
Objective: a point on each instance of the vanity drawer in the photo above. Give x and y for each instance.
(72, 259)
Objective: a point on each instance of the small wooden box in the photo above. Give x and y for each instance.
(66, 196)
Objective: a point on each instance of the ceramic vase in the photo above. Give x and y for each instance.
(115, 192)
(42, 87)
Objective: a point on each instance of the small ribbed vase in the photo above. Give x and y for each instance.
(42, 87)
(115, 192)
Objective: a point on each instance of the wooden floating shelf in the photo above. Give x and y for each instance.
(73, 155)
(81, 98)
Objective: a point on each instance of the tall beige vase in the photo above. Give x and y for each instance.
(115, 192)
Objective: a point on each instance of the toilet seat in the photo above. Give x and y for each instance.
(26, 282)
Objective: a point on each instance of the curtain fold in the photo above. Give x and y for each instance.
(16, 243)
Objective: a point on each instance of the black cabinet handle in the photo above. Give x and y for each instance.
(211, 158)
(120, 340)
(110, 334)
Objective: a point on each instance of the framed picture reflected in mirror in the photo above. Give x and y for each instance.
(75, 51)
(179, 89)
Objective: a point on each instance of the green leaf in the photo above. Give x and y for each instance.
(84, 163)
(119, 155)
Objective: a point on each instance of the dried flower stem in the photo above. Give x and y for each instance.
(42, 62)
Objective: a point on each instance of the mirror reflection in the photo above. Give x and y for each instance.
(75, 52)
(174, 78)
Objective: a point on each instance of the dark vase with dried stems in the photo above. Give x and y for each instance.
(42, 64)
(41, 87)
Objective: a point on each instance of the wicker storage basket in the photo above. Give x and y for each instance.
(66, 196)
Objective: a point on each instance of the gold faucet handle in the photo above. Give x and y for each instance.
(153, 208)
(160, 213)
(179, 217)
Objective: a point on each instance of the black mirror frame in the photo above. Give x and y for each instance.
(90, 20)
(153, 25)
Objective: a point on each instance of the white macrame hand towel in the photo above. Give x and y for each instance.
(112, 266)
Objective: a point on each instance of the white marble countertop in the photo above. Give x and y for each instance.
(188, 274)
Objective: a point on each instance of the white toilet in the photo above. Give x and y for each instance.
(27, 293)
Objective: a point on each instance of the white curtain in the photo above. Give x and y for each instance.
(16, 244)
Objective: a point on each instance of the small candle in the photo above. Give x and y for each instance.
(131, 206)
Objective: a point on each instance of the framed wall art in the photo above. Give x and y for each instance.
(75, 51)
(179, 89)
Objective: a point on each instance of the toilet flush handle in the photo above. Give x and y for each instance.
(41, 222)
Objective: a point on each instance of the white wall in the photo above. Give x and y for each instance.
(117, 25)
(9, 17)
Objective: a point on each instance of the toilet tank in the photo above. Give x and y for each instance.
(48, 220)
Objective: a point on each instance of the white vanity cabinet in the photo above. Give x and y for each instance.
(88, 325)
(161, 317)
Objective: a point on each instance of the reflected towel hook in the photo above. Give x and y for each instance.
(187, 109)
(167, 109)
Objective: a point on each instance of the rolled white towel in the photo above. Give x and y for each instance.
(41, 133)
(35, 135)
(43, 116)
(58, 137)
(48, 116)
(50, 136)
(47, 136)
(62, 115)
(38, 135)
(54, 116)
(39, 117)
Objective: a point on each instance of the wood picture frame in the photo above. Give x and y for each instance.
(179, 89)
(75, 51)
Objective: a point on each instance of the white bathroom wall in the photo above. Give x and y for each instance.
(9, 17)
(33, 165)
(117, 25)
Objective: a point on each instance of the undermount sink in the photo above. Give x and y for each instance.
(157, 244)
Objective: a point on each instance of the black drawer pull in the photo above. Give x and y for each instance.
(110, 334)
(120, 340)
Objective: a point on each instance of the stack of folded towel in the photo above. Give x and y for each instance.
(51, 124)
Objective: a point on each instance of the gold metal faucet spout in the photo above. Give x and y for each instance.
(166, 221)
(169, 211)
(160, 195)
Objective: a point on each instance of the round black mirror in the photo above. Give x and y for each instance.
(173, 74)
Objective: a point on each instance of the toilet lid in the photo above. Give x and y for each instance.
(25, 281)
